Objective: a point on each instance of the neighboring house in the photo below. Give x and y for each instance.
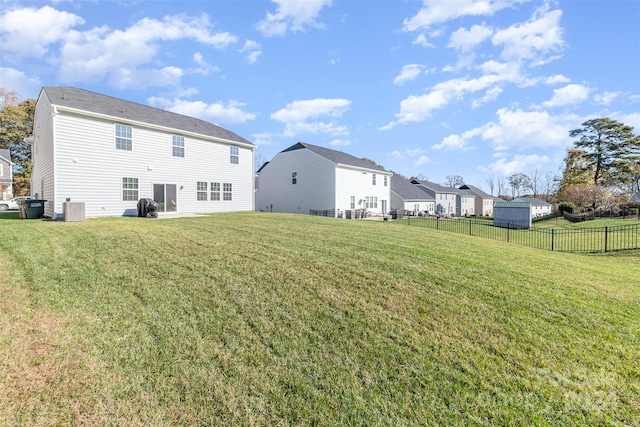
(408, 197)
(538, 207)
(307, 177)
(483, 202)
(447, 199)
(109, 153)
(468, 203)
(635, 198)
(6, 174)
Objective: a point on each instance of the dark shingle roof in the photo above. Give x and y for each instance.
(475, 190)
(436, 187)
(635, 197)
(337, 157)
(118, 108)
(533, 200)
(408, 191)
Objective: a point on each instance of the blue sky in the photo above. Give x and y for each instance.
(432, 88)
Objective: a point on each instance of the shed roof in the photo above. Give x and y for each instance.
(85, 100)
(337, 157)
(512, 205)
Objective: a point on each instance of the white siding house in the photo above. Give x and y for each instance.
(307, 177)
(6, 174)
(538, 207)
(109, 153)
(447, 199)
(483, 201)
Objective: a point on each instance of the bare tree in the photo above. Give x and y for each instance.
(533, 182)
(490, 180)
(454, 181)
(501, 185)
(260, 161)
(549, 185)
(517, 181)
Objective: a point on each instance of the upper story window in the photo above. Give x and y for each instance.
(385, 180)
(124, 140)
(294, 177)
(373, 179)
(233, 153)
(177, 145)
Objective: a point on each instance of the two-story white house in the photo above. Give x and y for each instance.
(447, 199)
(483, 202)
(408, 197)
(538, 206)
(109, 153)
(306, 177)
(6, 174)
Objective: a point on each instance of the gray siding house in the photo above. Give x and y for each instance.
(483, 202)
(6, 174)
(408, 197)
(447, 199)
(109, 153)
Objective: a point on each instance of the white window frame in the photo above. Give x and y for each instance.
(177, 145)
(201, 191)
(234, 154)
(124, 141)
(385, 180)
(215, 191)
(130, 187)
(227, 191)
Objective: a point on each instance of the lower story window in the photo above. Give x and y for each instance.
(129, 189)
(226, 191)
(215, 191)
(353, 202)
(201, 190)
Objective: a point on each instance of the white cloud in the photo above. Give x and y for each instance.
(525, 129)
(567, 95)
(292, 15)
(28, 32)
(557, 79)
(518, 163)
(230, 112)
(606, 98)
(340, 142)
(204, 68)
(103, 53)
(145, 77)
(532, 40)
(632, 119)
(435, 12)
(302, 116)
(465, 40)
(409, 72)
(261, 139)
(419, 108)
(26, 87)
(458, 142)
(490, 95)
(397, 155)
(253, 51)
(422, 160)
(421, 40)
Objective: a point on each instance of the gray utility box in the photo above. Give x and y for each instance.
(73, 211)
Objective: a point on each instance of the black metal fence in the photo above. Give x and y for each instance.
(597, 239)
(323, 212)
(619, 212)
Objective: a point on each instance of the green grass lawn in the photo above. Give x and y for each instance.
(270, 319)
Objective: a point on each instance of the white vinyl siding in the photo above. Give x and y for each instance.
(102, 167)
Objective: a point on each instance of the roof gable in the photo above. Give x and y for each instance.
(533, 200)
(635, 197)
(337, 157)
(436, 187)
(5, 154)
(475, 190)
(85, 100)
(406, 190)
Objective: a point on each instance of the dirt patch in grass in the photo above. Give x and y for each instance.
(45, 379)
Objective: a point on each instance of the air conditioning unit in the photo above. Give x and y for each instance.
(73, 211)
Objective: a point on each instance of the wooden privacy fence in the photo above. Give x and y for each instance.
(596, 239)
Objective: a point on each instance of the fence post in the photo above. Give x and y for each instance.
(437, 223)
(508, 228)
(469, 227)
(606, 237)
(553, 238)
